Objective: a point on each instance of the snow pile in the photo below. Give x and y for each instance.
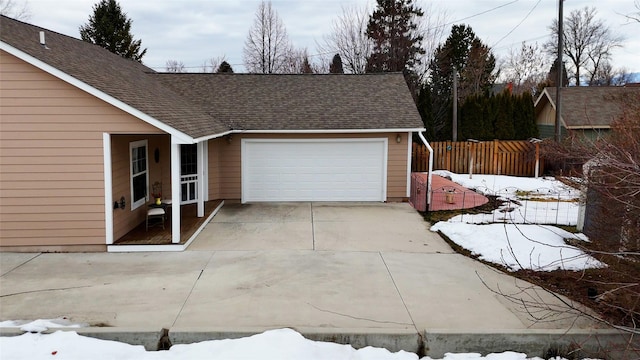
(274, 344)
(542, 187)
(41, 324)
(512, 237)
(281, 344)
(536, 247)
(526, 212)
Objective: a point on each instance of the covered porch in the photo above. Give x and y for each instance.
(140, 168)
(140, 239)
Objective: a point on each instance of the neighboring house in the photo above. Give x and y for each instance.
(586, 110)
(82, 128)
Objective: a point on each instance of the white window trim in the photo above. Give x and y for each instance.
(132, 145)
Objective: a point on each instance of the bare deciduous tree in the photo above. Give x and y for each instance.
(588, 43)
(524, 68)
(349, 39)
(298, 63)
(267, 48)
(608, 76)
(213, 64)
(432, 27)
(174, 66)
(13, 9)
(635, 16)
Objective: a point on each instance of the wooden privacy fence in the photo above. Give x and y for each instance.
(498, 157)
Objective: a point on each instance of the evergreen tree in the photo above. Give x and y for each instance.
(336, 65)
(306, 68)
(424, 104)
(225, 67)
(503, 125)
(471, 121)
(393, 29)
(474, 63)
(524, 117)
(490, 109)
(110, 28)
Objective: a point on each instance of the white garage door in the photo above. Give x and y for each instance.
(314, 170)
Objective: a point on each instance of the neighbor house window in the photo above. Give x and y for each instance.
(139, 173)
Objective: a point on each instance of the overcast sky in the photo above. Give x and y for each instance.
(193, 31)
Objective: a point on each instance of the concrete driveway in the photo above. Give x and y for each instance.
(320, 226)
(368, 274)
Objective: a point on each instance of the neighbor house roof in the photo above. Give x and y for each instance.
(301, 101)
(207, 105)
(589, 106)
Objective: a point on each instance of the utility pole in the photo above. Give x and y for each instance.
(455, 106)
(560, 72)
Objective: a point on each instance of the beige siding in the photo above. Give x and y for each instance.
(229, 169)
(214, 168)
(52, 178)
(547, 115)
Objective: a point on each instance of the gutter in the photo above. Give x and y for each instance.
(426, 143)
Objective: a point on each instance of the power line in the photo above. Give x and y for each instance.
(474, 15)
(520, 23)
(433, 28)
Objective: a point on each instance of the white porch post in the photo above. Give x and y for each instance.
(201, 179)
(175, 191)
(108, 188)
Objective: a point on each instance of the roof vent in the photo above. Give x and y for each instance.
(42, 40)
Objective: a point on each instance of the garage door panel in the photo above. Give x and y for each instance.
(314, 170)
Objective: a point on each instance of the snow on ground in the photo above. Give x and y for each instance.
(511, 235)
(281, 344)
(526, 212)
(509, 185)
(536, 247)
(41, 324)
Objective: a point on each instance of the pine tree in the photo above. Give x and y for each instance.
(306, 68)
(474, 63)
(225, 67)
(396, 43)
(336, 65)
(110, 28)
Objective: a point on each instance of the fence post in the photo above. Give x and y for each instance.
(496, 152)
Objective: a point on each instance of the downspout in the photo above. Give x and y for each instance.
(426, 143)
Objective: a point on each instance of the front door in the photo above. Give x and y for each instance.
(189, 173)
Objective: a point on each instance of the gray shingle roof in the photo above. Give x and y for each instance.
(301, 101)
(592, 106)
(201, 105)
(123, 79)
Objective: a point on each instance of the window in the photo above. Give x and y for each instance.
(139, 173)
(188, 159)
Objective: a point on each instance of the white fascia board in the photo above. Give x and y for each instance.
(589, 127)
(327, 131)
(95, 92)
(546, 94)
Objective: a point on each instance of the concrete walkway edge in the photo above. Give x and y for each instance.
(432, 343)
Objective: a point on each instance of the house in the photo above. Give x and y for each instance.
(84, 135)
(586, 110)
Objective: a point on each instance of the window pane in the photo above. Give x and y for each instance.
(139, 187)
(184, 192)
(188, 159)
